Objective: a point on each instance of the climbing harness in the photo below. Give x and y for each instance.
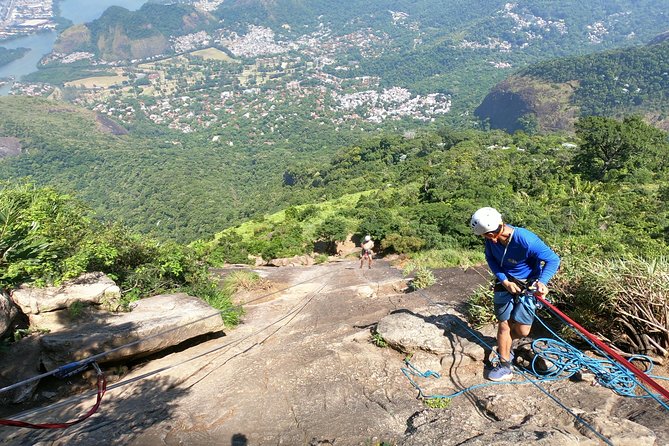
(65, 372)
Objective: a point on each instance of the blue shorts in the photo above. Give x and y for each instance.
(521, 309)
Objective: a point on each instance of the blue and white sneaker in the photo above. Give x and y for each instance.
(501, 372)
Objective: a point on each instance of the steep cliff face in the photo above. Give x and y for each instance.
(74, 38)
(117, 45)
(529, 104)
(551, 95)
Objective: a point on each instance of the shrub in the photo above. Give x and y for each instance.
(480, 307)
(402, 244)
(423, 277)
(437, 403)
(625, 300)
(230, 248)
(242, 280)
(321, 258)
(47, 237)
(378, 340)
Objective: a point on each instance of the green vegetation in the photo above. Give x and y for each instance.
(611, 149)
(437, 403)
(423, 277)
(624, 300)
(47, 237)
(242, 280)
(480, 308)
(550, 95)
(615, 82)
(59, 74)
(601, 191)
(378, 340)
(10, 55)
(75, 310)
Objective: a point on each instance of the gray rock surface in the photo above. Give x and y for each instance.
(301, 370)
(8, 312)
(304, 260)
(90, 289)
(158, 322)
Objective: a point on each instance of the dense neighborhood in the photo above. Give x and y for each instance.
(22, 17)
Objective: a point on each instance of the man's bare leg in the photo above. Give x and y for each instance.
(504, 341)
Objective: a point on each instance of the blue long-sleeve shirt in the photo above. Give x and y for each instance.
(525, 257)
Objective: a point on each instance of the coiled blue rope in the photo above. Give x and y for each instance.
(555, 360)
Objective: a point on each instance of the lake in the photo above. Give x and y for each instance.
(78, 11)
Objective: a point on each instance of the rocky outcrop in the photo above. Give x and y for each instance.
(9, 146)
(55, 308)
(441, 335)
(304, 260)
(90, 289)
(503, 415)
(317, 378)
(521, 102)
(154, 324)
(120, 34)
(8, 313)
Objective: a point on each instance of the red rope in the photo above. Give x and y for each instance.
(642, 376)
(102, 388)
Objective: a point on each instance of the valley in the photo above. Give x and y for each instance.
(239, 151)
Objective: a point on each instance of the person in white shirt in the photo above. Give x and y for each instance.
(367, 246)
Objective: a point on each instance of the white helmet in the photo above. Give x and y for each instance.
(485, 220)
(368, 238)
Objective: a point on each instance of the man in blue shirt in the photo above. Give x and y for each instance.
(518, 258)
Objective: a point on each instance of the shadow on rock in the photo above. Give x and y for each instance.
(122, 416)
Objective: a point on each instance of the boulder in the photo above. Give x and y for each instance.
(303, 260)
(408, 332)
(441, 334)
(8, 312)
(154, 324)
(90, 289)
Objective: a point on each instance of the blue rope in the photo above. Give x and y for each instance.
(566, 359)
(411, 370)
(563, 361)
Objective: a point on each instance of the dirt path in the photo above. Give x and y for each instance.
(300, 369)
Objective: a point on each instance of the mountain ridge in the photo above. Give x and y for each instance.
(120, 34)
(551, 95)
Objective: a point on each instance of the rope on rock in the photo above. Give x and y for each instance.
(563, 359)
(555, 360)
(73, 368)
(64, 372)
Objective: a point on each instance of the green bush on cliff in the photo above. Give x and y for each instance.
(47, 237)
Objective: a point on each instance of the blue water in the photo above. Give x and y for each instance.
(78, 11)
(82, 11)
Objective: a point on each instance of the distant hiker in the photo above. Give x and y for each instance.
(518, 258)
(367, 246)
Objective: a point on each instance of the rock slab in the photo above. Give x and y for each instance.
(155, 323)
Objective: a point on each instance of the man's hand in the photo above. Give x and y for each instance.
(542, 289)
(511, 287)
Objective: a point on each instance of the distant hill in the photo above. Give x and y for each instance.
(550, 95)
(120, 34)
(458, 48)
(9, 55)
